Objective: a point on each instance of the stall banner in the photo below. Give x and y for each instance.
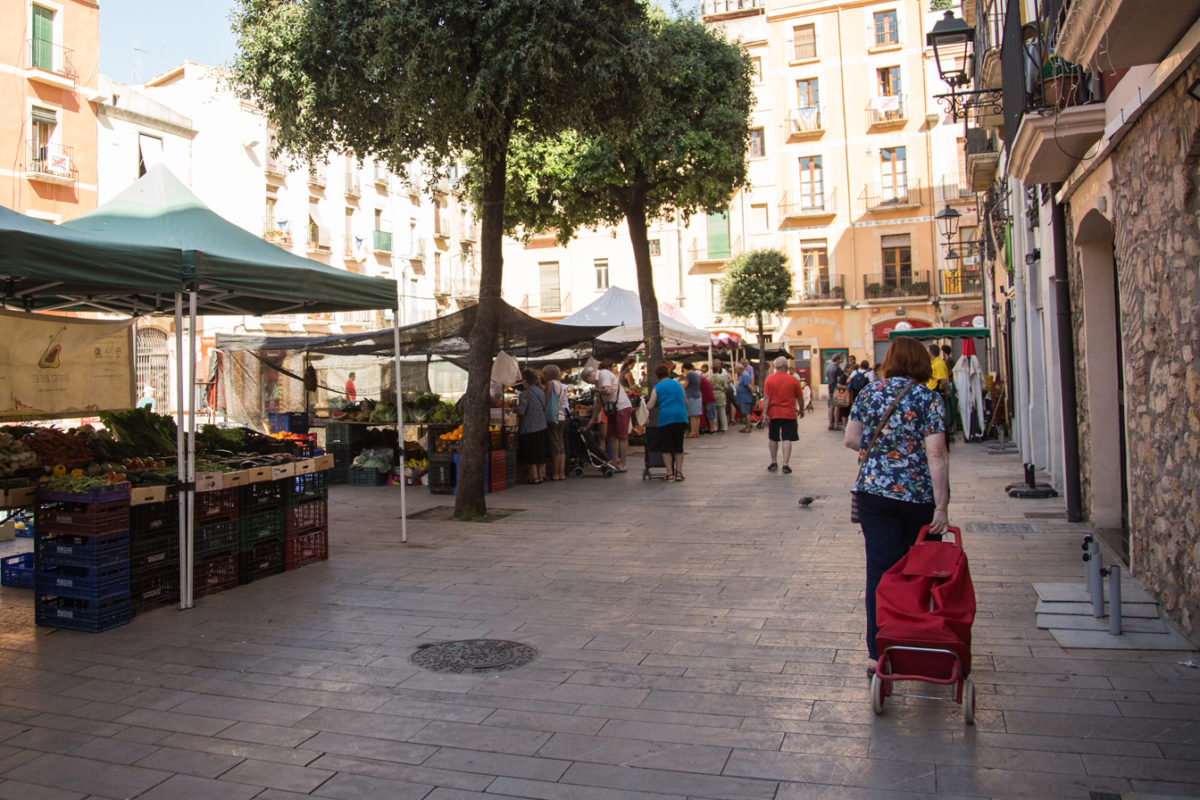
(53, 367)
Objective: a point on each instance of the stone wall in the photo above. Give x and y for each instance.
(1156, 210)
(1078, 331)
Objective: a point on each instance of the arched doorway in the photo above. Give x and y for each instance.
(153, 366)
(880, 332)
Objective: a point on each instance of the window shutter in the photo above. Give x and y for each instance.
(44, 115)
(896, 240)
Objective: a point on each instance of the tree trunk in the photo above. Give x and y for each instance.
(635, 217)
(476, 439)
(762, 352)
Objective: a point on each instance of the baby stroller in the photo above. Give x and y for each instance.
(584, 449)
(925, 605)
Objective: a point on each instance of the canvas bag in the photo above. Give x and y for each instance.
(552, 405)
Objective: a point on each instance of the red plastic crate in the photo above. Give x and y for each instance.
(308, 516)
(215, 575)
(87, 519)
(306, 548)
(221, 504)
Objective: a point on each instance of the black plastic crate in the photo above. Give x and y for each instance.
(365, 476)
(90, 616)
(77, 550)
(265, 558)
(260, 496)
(221, 504)
(259, 527)
(148, 552)
(154, 518)
(338, 474)
(216, 538)
(305, 488)
(310, 547)
(84, 583)
(307, 517)
(215, 574)
(55, 517)
(344, 433)
(153, 587)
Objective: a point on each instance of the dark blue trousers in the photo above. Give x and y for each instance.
(890, 528)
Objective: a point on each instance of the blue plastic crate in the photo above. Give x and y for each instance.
(294, 422)
(79, 550)
(90, 616)
(17, 571)
(83, 583)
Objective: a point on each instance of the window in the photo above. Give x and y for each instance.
(348, 230)
(889, 81)
(887, 28)
(718, 235)
(43, 121)
(962, 167)
(150, 152)
(316, 237)
(807, 93)
(655, 247)
(893, 175)
(759, 221)
(269, 225)
(42, 56)
(601, 265)
(968, 247)
(814, 258)
(897, 261)
(714, 295)
(437, 217)
(548, 284)
(812, 183)
(758, 143)
(153, 367)
(437, 273)
(804, 40)
(756, 65)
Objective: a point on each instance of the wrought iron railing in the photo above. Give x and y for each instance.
(896, 283)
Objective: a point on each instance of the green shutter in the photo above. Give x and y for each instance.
(718, 235)
(43, 38)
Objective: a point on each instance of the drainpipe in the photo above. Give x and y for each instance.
(1016, 249)
(1066, 360)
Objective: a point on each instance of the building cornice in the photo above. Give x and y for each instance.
(115, 112)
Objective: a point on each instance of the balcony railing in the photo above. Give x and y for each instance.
(711, 7)
(714, 254)
(318, 240)
(803, 204)
(382, 241)
(382, 175)
(954, 192)
(806, 121)
(53, 163)
(353, 184)
(890, 109)
(416, 250)
(962, 281)
(820, 286)
(276, 232)
(53, 59)
(274, 167)
(316, 175)
(891, 196)
(883, 285)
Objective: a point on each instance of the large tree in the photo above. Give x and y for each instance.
(676, 148)
(434, 79)
(757, 283)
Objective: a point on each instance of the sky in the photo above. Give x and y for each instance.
(140, 39)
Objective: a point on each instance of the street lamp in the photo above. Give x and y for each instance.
(951, 40)
(947, 226)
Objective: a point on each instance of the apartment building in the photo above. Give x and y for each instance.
(850, 161)
(49, 67)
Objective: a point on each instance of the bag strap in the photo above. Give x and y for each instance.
(862, 457)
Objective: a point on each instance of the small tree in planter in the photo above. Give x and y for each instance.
(874, 290)
(757, 283)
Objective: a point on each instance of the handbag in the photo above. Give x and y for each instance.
(552, 405)
(862, 457)
(841, 397)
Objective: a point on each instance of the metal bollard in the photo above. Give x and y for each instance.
(1096, 571)
(1087, 568)
(1114, 600)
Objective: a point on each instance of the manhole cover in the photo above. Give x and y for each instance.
(473, 656)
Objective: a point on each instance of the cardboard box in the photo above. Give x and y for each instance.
(283, 471)
(143, 495)
(324, 462)
(306, 466)
(210, 481)
(258, 474)
(19, 497)
(239, 478)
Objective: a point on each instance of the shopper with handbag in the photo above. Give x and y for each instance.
(897, 426)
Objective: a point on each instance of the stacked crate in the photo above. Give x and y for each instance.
(497, 471)
(81, 563)
(344, 442)
(153, 551)
(443, 472)
(262, 528)
(306, 520)
(215, 541)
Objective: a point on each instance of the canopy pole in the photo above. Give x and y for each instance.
(400, 430)
(185, 585)
(191, 442)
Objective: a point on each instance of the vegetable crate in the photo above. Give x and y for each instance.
(344, 433)
(91, 616)
(154, 550)
(257, 497)
(443, 473)
(260, 527)
(302, 549)
(217, 538)
(154, 518)
(305, 488)
(78, 550)
(215, 574)
(17, 571)
(153, 587)
(338, 475)
(510, 469)
(307, 517)
(108, 493)
(263, 559)
(221, 504)
(81, 583)
(365, 476)
(89, 519)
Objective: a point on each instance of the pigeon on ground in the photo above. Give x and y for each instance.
(806, 501)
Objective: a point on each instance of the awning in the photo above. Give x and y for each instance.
(942, 333)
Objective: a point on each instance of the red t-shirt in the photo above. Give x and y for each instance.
(783, 391)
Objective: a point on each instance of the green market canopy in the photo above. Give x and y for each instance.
(941, 333)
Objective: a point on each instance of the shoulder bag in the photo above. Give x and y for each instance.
(552, 405)
(862, 457)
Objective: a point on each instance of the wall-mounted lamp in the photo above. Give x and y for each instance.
(900, 312)
(951, 40)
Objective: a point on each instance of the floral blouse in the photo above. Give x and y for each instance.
(897, 466)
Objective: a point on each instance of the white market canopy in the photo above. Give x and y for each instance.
(621, 309)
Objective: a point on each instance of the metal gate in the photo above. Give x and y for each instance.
(154, 366)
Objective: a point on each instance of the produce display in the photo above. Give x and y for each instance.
(15, 455)
(142, 430)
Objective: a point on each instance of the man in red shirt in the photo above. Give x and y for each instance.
(783, 404)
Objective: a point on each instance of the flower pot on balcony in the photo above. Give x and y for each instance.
(874, 290)
(1061, 83)
(918, 288)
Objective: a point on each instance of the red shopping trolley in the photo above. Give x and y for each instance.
(925, 605)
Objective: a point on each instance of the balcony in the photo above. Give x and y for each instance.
(887, 111)
(704, 255)
(316, 176)
(276, 232)
(416, 250)
(715, 8)
(892, 197)
(1050, 144)
(51, 163)
(954, 193)
(890, 285)
(274, 167)
(966, 281)
(1111, 34)
(381, 241)
(821, 288)
(51, 64)
(353, 185)
(440, 232)
(801, 206)
(983, 159)
(318, 241)
(806, 122)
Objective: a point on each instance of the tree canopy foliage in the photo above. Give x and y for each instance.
(757, 283)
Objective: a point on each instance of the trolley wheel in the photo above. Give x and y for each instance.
(645, 474)
(606, 472)
(878, 692)
(968, 701)
(577, 472)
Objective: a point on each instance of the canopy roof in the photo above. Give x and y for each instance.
(941, 333)
(519, 334)
(621, 311)
(232, 270)
(45, 266)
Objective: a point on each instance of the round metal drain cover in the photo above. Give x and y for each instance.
(473, 656)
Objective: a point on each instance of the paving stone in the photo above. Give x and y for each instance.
(238, 750)
(87, 776)
(356, 787)
(19, 790)
(188, 762)
(277, 776)
(368, 747)
(408, 773)
(185, 787)
(540, 790)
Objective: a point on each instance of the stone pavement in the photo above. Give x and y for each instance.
(701, 639)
